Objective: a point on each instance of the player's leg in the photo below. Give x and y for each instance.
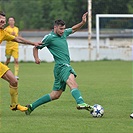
(15, 54)
(55, 94)
(16, 68)
(8, 53)
(44, 99)
(76, 93)
(74, 89)
(7, 61)
(8, 76)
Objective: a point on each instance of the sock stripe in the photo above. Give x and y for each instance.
(73, 89)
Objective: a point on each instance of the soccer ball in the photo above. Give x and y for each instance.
(98, 111)
(131, 116)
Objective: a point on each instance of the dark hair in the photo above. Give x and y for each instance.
(59, 22)
(2, 13)
(11, 17)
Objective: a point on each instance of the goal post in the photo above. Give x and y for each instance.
(89, 26)
(98, 17)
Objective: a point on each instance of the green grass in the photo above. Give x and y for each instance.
(108, 83)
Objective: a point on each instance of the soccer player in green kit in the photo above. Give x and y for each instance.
(63, 72)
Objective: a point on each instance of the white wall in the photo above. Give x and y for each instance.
(79, 51)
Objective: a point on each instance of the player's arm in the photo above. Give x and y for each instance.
(35, 49)
(24, 41)
(35, 54)
(79, 25)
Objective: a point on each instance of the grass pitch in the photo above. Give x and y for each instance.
(108, 83)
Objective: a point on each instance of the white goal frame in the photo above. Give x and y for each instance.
(98, 16)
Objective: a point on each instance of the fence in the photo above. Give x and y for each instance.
(78, 46)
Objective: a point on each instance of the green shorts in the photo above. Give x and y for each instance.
(61, 74)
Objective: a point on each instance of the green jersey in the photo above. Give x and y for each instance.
(58, 46)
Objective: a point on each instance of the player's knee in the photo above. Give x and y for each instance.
(56, 97)
(14, 82)
(16, 62)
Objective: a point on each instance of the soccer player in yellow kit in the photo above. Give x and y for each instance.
(5, 72)
(12, 47)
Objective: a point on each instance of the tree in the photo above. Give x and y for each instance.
(40, 14)
(130, 6)
(109, 7)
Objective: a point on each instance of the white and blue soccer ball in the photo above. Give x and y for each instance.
(131, 116)
(98, 111)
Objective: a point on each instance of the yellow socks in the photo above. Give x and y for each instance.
(14, 96)
(14, 100)
(16, 69)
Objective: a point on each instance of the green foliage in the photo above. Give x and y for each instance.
(130, 6)
(116, 23)
(40, 14)
(108, 83)
(110, 7)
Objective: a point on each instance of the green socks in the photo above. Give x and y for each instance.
(44, 99)
(77, 96)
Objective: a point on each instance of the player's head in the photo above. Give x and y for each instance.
(59, 27)
(2, 19)
(11, 21)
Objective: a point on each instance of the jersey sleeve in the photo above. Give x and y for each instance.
(68, 31)
(8, 37)
(45, 42)
(6, 29)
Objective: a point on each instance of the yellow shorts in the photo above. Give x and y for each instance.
(12, 52)
(3, 69)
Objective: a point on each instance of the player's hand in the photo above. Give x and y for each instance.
(37, 43)
(84, 17)
(13, 33)
(37, 61)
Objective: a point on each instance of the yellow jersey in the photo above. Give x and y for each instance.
(5, 36)
(10, 30)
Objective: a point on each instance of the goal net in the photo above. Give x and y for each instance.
(114, 36)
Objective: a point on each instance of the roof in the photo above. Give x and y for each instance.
(78, 34)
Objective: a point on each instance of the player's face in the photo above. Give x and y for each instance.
(11, 21)
(59, 29)
(2, 21)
